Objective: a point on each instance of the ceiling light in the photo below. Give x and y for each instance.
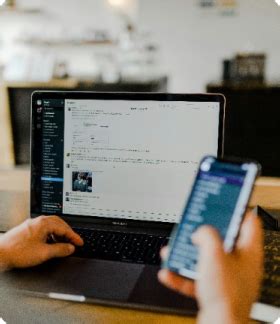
(117, 3)
(2, 2)
(278, 2)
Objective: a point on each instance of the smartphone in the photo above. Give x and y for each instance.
(219, 198)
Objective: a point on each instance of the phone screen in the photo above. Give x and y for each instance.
(219, 198)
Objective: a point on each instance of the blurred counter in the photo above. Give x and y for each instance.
(15, 109)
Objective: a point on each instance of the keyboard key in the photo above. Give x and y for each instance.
(124, 247)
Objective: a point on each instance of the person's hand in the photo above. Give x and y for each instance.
(228, 283)
(28, 244)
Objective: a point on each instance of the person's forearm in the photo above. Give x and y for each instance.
(4, 259)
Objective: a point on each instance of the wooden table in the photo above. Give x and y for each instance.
(266, 194)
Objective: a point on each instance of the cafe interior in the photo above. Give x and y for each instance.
(230, 47)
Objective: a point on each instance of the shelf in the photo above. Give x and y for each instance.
(245, 85)
(20, 10)
(62, 43)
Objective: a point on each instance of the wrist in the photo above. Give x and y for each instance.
(222, 313)
(5, 263)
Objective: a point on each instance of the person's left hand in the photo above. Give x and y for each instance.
(27, 244)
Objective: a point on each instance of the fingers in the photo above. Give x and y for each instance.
(164, 253)
(65, 231)
(251, 234)
(211, 254)
(56, 226)
(59, 250)
(177, 283)
(209, 242)
(173, 281)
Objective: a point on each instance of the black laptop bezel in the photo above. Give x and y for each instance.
(64, 95)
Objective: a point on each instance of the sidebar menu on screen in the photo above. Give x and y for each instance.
(52, 156)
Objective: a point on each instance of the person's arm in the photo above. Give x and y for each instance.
(28, 244)
(228, 284)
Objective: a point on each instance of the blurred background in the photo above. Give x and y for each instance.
(226, 46)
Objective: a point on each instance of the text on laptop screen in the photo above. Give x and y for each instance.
(123, 159)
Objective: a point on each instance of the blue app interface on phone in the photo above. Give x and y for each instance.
(212, 201)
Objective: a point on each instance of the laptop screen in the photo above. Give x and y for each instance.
(121, 159)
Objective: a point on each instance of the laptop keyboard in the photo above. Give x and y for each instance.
(119, 246)
(270, 293)
(143, 248)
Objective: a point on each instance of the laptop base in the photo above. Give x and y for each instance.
(100, 282)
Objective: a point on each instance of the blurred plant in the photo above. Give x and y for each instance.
(8, 3)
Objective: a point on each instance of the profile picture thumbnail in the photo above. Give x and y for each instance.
(82, 181)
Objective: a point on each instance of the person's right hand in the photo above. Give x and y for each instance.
(28, 244)
(228, 283)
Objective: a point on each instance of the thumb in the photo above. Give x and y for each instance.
(251, 235)
(59, 250)
(209, 243)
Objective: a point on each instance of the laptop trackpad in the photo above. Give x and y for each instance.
(98, 279)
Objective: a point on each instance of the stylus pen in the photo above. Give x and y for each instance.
(69, 297)
(54, 295)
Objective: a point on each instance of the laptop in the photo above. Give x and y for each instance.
(118, 168)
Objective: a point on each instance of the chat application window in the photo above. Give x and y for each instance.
(134, 159)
